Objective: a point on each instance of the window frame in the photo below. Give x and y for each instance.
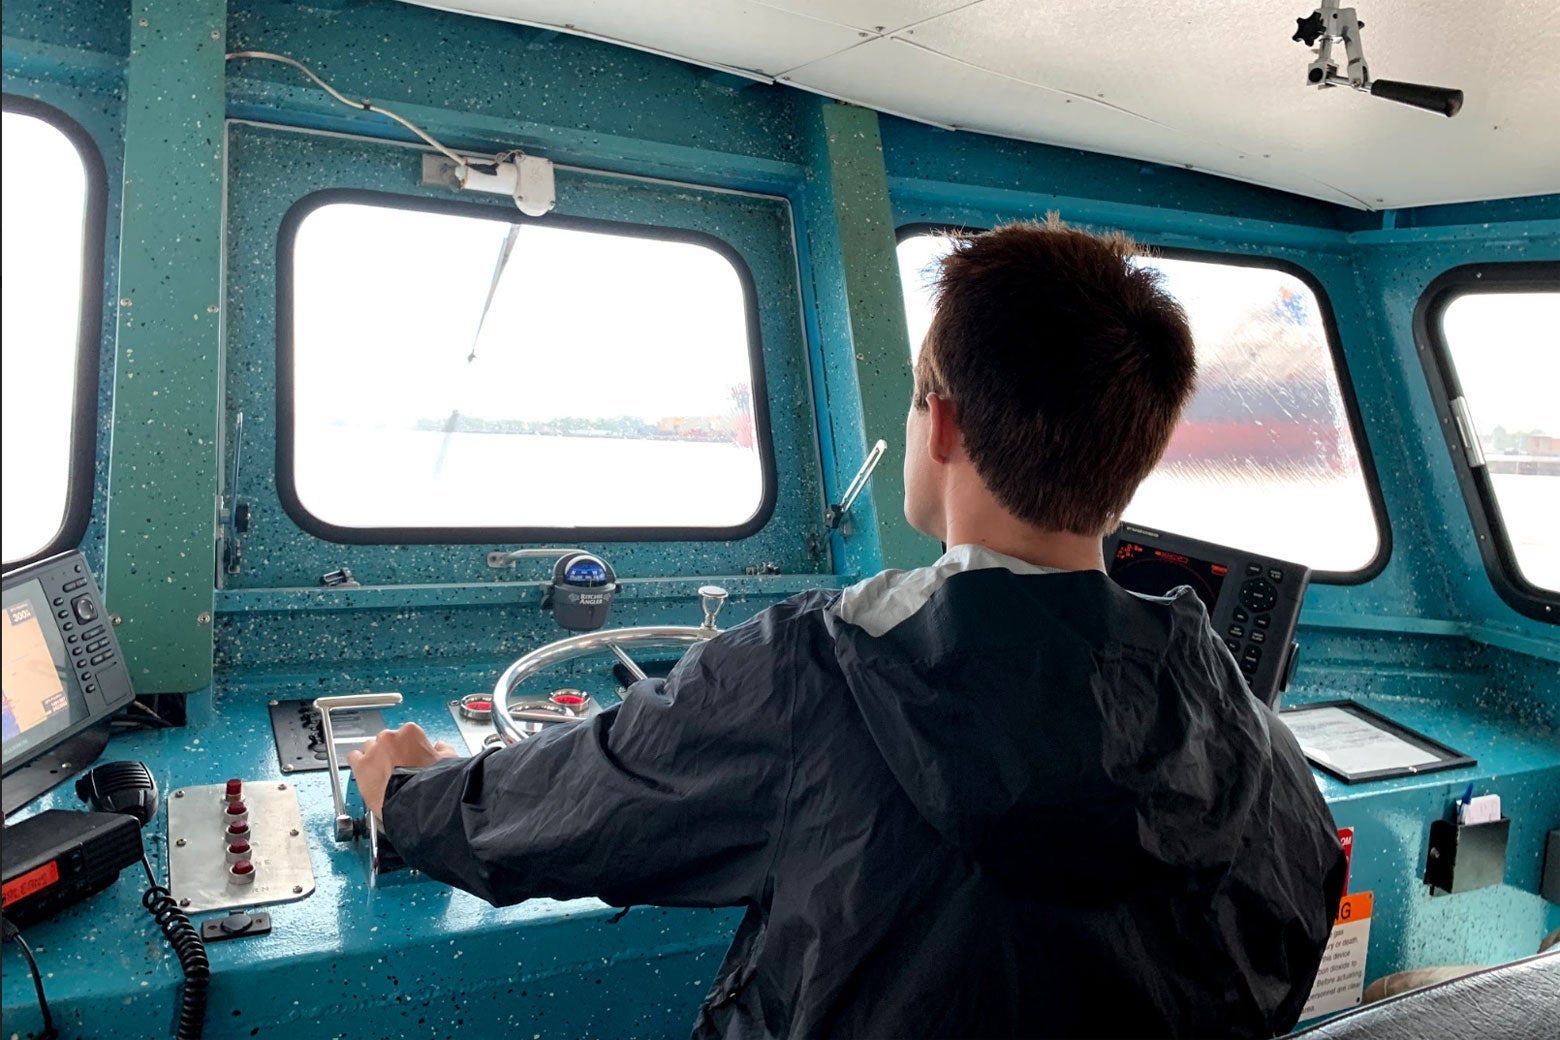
(82, 478)
(1377, 563)
(1478, 491)
(285, 377)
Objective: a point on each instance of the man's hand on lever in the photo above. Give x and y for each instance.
(379, 756)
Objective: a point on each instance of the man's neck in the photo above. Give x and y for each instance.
(1003, 533)
(1062, 553)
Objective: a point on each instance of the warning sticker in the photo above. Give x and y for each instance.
(1346, 839)
(1340, 982)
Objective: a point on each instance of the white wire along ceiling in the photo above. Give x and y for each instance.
(1216, 88)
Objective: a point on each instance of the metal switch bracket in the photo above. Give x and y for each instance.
(198, 876)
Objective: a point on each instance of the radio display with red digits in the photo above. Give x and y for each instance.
(1155, 571)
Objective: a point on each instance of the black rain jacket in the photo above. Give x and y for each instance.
(974, 799)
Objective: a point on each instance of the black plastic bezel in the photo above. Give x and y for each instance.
(285, 447)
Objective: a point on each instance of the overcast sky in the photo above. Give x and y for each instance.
(1506, 346)
(388, 303)
(44, 192)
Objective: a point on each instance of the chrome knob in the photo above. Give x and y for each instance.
(711, 598)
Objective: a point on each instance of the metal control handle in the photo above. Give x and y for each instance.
(835, 514)
(345, 829)
(711, 599)
(499, 559)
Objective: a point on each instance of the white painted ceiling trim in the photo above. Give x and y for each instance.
(1219, 89)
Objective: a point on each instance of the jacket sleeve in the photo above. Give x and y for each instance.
(675, 797)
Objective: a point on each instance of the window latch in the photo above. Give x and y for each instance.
(339, 579)
(1473, 451)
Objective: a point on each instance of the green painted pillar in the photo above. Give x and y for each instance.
(862, 312)
(162, 482)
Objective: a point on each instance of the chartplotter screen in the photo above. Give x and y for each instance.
(37, 704)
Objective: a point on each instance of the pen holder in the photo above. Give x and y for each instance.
(1466, 856)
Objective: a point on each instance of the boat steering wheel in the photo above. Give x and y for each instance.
(611, 640)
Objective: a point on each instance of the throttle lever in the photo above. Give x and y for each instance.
(346, 827)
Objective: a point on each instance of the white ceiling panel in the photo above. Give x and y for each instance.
(939, 89)
(741, 35)
(1219, 89)
(876, 16)
(1235, 77)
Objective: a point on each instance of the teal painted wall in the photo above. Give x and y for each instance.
(1426, 640)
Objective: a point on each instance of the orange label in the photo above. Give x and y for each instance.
(35, 880)
(1355, 907)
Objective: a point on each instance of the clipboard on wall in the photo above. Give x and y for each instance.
(1355, 744)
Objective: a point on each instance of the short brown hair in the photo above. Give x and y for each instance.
(1067, 365)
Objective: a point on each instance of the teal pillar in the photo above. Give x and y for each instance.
(162, 482)
(861, 326)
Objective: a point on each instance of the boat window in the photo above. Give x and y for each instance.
(1266, 448)
(51, 284)
(1500, 365)
(448, 366)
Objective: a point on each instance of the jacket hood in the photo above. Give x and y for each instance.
(1025, 710)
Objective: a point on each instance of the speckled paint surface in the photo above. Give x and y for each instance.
(848, 155)
(414, 959)
(161, 516)
(76, 63)
(332, 629)
(484, 84)
(271, 170)
(1426, 641)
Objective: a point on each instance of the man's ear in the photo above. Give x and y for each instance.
(943, 437)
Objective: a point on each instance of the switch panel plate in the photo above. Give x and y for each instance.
(475, 734)
(480, 734)
(197, 843)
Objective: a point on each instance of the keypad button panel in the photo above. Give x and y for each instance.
(1258, 595)
(1252, 618)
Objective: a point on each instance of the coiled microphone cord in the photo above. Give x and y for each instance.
(190, 950)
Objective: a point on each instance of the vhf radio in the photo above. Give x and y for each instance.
(64, 678)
